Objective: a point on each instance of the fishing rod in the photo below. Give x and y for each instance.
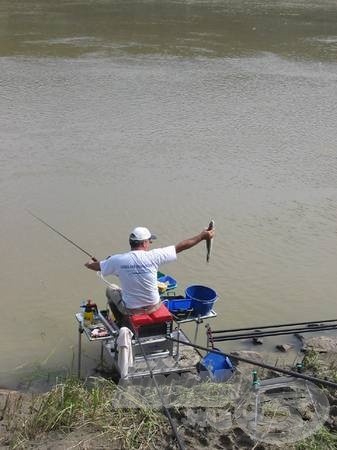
(62, 235)
(234, 337)
(260, 364)
(313, 323)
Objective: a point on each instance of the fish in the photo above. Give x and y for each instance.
(209, 241)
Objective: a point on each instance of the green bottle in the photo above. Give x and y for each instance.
(256, 381)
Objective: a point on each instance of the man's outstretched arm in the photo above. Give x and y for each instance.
(191, 242)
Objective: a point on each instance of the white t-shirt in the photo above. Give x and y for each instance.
(137, 272)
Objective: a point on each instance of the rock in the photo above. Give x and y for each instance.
(320, 344)
(284, 347)
(257, 340)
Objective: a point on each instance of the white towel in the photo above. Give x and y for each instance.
(125, 359)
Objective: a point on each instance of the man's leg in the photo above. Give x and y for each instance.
(116, 304)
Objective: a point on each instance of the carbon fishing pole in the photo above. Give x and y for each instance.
(62, 235)
(275, 326)
(260, 364)
(233, 337)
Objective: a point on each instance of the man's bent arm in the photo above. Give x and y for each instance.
(93, 264)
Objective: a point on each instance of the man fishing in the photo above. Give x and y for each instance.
(137, 271)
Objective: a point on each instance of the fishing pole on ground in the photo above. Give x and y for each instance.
(260, 364)
(62, 235)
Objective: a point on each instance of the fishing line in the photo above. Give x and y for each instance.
(61, 234)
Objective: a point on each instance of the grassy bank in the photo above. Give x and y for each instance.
(84, 414)
(97, 414)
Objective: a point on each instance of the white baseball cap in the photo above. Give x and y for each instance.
(142, 234)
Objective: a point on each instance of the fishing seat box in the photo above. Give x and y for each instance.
(153, 324)
(152, 330)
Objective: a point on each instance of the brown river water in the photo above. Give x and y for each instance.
(164, 114)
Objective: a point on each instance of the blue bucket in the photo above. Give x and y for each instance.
(202, 298)
(218, 366)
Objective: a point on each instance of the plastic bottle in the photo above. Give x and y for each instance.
(256, 380)
(94, 308)
(88, 315)
(299, 367)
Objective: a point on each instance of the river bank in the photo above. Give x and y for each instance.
(98, 414)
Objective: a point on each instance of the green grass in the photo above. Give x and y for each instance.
(126, 418)
(311, 362)
(71, 405)
(322, 440)
(98, 410)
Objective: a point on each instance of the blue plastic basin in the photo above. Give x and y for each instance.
(219, 366)
(202, 299)
(179, 306)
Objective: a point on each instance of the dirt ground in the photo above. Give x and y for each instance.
(197, 428)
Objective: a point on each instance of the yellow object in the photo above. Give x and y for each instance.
(88, 314)
(162, 287)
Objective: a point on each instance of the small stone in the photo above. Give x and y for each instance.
(257, 341)
(284, 347)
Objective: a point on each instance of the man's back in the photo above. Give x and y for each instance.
(137, 272)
